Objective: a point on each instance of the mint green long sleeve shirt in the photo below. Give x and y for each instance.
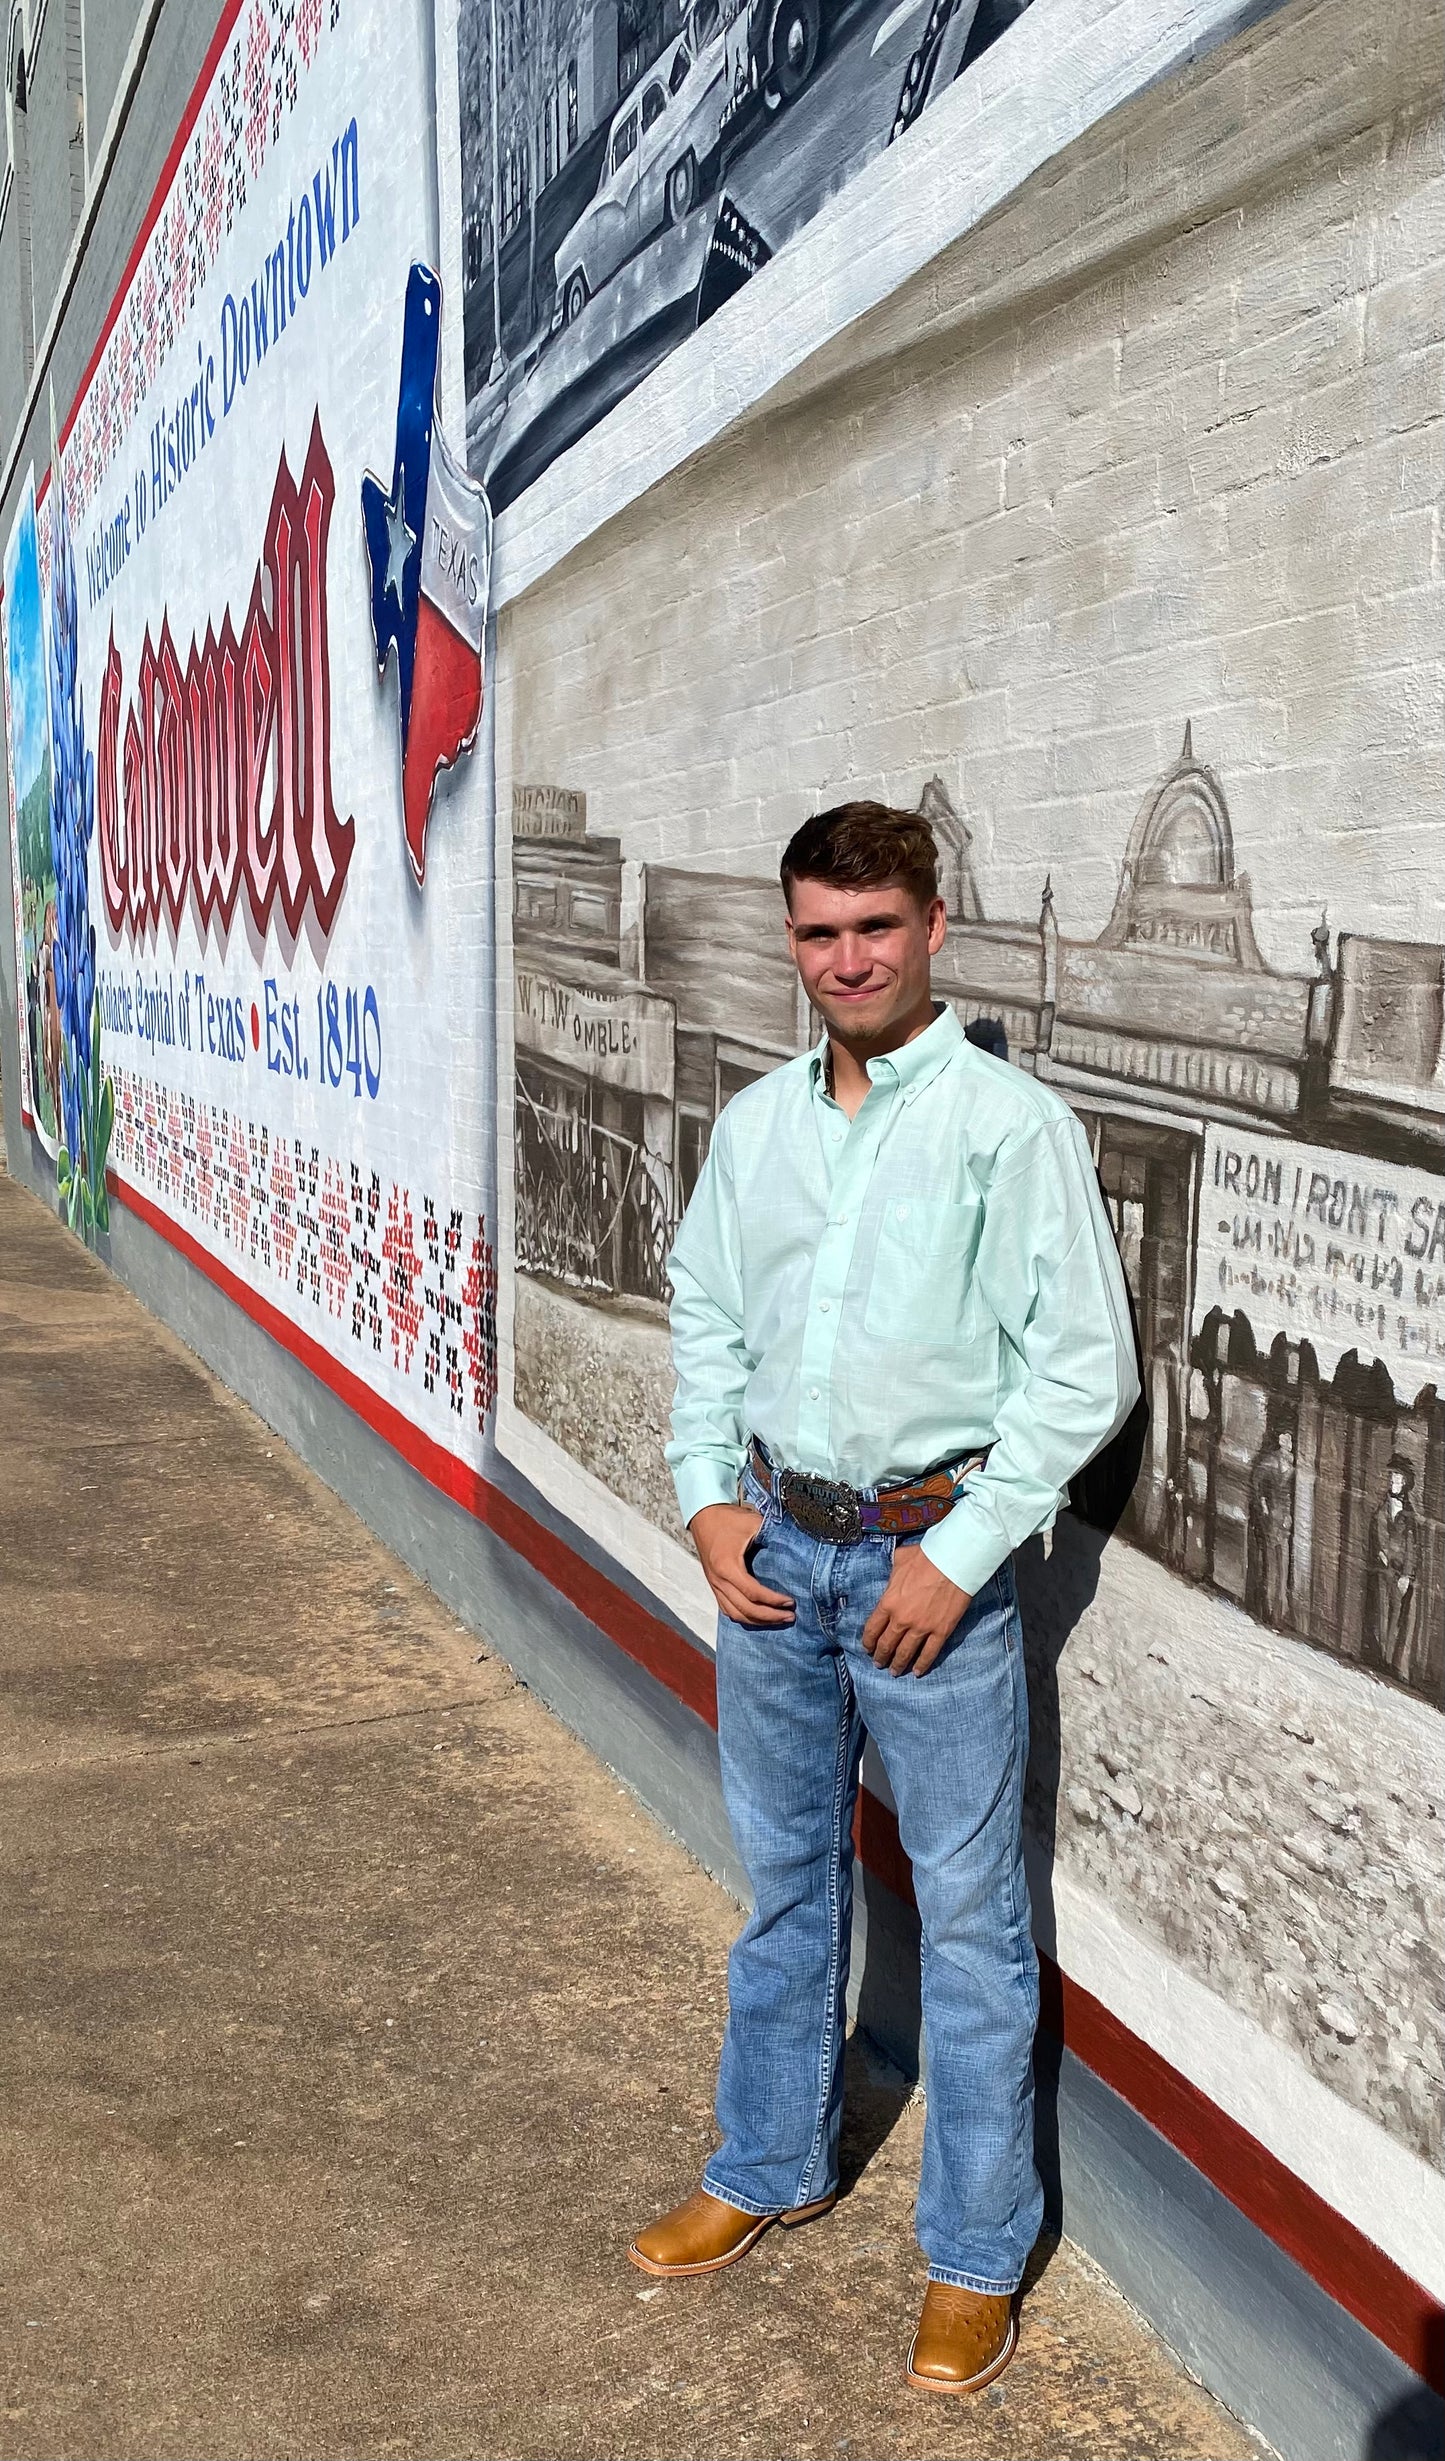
(877, 1296)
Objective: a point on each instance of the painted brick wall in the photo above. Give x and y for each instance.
(1161, 444)
(1194, 472)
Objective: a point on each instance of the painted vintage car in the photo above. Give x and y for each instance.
(773, 47)
(662, 151)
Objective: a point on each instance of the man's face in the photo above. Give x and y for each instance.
(863, 954)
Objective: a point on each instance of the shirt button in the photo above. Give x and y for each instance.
(842, 1221)
(812, 1392)
(837, 1136)
(824, 1306)
(903, 1213)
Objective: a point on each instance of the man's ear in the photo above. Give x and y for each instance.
(937, 925)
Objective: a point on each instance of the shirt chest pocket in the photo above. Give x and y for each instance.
(922, 1282)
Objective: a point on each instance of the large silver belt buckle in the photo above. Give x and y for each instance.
(822, 1508)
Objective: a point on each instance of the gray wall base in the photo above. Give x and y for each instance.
(1250, 2324)
(1241, 2314)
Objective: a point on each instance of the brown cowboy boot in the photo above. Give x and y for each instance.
(704, 2234)
(964, 2339)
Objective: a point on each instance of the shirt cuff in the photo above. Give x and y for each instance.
(704, 1479)
(967, 1547)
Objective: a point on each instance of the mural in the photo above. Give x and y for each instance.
(429, 545)
(628, 164)
(1269, 1148)
(243, 993)
(254, 873)
(1285, 1250)
(32, 860)
(86, 1085)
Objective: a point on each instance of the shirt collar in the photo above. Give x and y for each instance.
(913, 1065)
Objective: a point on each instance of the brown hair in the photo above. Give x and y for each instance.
(862, 845)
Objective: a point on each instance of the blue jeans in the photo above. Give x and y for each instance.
(793, 1704)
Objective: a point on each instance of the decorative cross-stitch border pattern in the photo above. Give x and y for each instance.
(254, 89)
(410, 1276)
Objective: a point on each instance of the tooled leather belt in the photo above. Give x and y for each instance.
(827, 1508)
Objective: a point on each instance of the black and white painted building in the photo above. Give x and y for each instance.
(1269, 1146)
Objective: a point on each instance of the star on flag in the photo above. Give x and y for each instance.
(429, 545)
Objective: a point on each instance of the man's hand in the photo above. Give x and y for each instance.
(915, 1615)
(722, 1534)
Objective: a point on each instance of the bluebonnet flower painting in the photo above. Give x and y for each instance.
(87, 1098)
(28, 711)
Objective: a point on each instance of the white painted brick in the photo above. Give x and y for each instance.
(983, 718)
(1074, 701)
(985, 558)
(1018, 772)
(1190, 347)
(1239, 733)
(1304, 357)
(1006, 654)
(1107, 504)
(978, 485)
(1109, 760)
(1372, 403)
(1385, 712)
(1225, 453)
(1303, 274)
(1187, 675)
(1409, 231)
(1408, 314)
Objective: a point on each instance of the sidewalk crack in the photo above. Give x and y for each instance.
(195, 1746)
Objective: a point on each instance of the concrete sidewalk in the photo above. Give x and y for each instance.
(355, 2014)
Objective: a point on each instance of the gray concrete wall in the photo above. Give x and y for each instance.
(13, 310)
(109, 30)
(173, 60)
(55, 154)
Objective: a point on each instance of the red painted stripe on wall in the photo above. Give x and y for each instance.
(1356, 2273)
(1345, 2264)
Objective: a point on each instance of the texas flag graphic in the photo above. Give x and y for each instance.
(430, 546)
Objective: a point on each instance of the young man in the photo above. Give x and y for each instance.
(898, 1315)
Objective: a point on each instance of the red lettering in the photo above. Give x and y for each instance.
(201, 743)
(134, 790)
(258, 713)
(192, 819)
(148, 865)
(278, 557)
(228, 808)
(211, 696)
(329, 841)
(107, 812)
(173, 768)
